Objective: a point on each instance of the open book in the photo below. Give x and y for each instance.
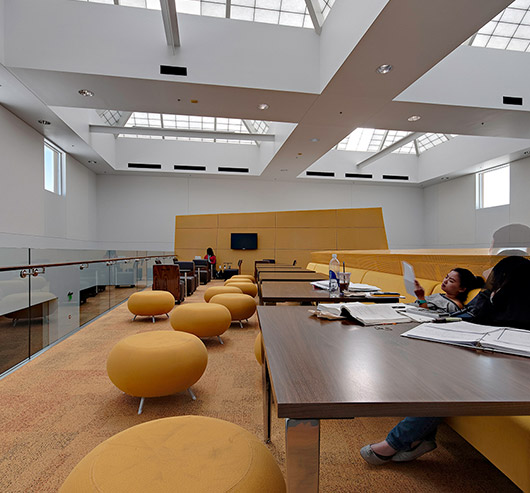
(365, 314)
(354, 286)
(501, 339)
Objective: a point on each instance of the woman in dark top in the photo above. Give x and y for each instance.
(211, 260)
(504, 302)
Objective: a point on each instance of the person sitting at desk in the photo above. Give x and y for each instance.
(456, 286)
(502, 302)
(211, 260)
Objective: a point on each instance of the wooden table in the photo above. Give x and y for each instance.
(321, 369)
(304, 292)
(291, 276)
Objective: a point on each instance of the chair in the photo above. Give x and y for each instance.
(294, 262)
(203, 270)
(239, 262)
(187, 269)
(167, 278)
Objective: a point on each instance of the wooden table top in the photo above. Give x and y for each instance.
(291, 276)
(283, 268)
(334, 369)
(302, 292)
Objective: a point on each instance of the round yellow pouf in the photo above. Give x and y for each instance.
(178, 455)
(258, 349)
(247, 287)
(219, 290)
(244, 276)
(232, 280)
(157, 363)
(241, 306)
(150, 303)
(201, 319)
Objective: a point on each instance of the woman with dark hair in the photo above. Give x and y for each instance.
(210, 256)
(456, 286)
(504, 302)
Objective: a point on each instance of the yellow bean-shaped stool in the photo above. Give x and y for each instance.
(232, 280)
(247, 287)
(150, 303)
(244, 276)
(201, 319)
(258, 348)
(157, 363)
(219, 290)
(178, 454)
(241, 306)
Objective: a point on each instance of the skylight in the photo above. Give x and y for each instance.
(375, 140)
(510, 30)
(187, 122)
(111, 117)
(282, 12)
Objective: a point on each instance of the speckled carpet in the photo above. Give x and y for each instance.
(59, 406)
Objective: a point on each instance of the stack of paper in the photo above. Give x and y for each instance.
(365, 314)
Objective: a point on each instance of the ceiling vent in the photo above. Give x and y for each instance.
(227, 169)
(144, 166)
(187, 167)
(395, 177)
(358, 175)
(512, 100)
(171, 70)
(320, 173)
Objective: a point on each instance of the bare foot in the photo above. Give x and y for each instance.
(382, 448)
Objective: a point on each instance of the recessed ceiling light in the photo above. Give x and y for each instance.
(263, 106)
(299, 153)
(194, 101)
(44, 122)
(86, 92)
(92, 162)
(284, 169)
(414, 118)
(384, 69)
(314, 139)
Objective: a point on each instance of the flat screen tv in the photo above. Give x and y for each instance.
(244, 241)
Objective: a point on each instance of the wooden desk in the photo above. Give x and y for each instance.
(304, 292)
(321, 369)
(291, 276)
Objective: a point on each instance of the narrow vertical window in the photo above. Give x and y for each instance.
(53, 168)
(493, 187)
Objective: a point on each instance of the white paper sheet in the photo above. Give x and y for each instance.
(408, 277)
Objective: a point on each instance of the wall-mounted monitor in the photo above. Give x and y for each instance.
(244, 241)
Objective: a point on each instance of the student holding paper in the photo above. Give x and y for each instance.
(504, 302)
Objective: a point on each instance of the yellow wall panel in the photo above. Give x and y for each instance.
(302, 257)
(247, 220)
(306, 219)
(198, 221)
(361, 238)
(360, 218)
(305, 238)
(200, 239)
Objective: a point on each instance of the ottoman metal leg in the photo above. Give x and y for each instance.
(192, 394)
(220, 340)
(141, 406)
(153, 317)
(134, 318)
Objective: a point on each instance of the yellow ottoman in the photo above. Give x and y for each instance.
(150, 303)
(232, 281)
(178, 455)
(218, 290)
(157, 363)
(247, 287)
(258, 349)
(244, 276)
(201, 319)
(241, 306)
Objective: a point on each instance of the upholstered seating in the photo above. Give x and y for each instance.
(232, 280)
(246, 286)
(219, 290)
(157, 363)
(150, 303)
(178, 455)
(201, 319)
(258, 348)
(243, 276)
(241, 306)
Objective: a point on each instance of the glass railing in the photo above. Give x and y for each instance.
(45, 295)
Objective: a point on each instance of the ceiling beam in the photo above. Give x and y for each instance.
(173, 132)
(389, 149)
(228, 9)
(316, 15)
(171, 27)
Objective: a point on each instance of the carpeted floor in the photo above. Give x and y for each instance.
(62, 404)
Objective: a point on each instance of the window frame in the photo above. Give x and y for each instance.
(58, 168)
(480, 187)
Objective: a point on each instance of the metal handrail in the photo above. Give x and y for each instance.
(84, 263)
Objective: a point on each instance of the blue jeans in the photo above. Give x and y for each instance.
(411, 430)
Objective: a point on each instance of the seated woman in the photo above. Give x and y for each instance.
(211, 261)
(503, 302)
(456, 287)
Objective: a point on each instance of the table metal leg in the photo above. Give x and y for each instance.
(302, 445)
(267, 401)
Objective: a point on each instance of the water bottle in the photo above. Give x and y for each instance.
(334, 269)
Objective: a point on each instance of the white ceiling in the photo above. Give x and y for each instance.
(317, 86)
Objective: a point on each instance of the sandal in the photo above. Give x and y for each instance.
(422, 448)
(374, 458)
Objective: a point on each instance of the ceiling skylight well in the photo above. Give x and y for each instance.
(375, 140)
(282, 12)
(510, 30)
(187, 122)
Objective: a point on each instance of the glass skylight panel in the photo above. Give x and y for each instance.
(260, 127)
(325, 6)
(510, 30)
(428, 141)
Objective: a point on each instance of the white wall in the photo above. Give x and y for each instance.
(138, 212)
(451, 219)
(32, 216)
